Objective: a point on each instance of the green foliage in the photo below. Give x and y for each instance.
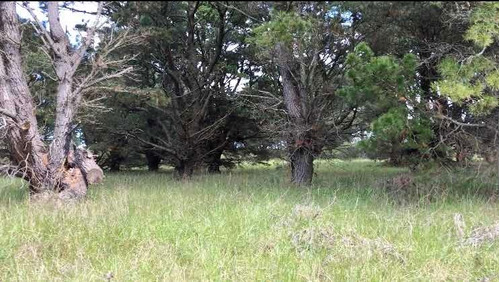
(391, 124)
(207, 14)
(381, 85)
(284, 27)
(381, 79)
(484, 29)
(375, 79)
(106, 134)
(401, 139)
(474, 80)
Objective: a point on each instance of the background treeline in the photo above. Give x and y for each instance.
(216, 83)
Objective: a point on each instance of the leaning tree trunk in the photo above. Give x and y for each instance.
(21, 132)
(55, 168)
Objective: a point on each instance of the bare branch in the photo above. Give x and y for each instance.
(441, 116)
(168, 150)
(72, 9)
(240, 11)
(56, 29)
(90, 35)
(46, 38)
(88, 84)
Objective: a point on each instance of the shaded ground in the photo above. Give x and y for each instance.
(251, 225)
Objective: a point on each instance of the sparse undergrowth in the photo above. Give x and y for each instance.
(251, 225)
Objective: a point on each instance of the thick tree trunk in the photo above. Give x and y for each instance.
(56, 169)
(22, 136)
(60, 145)
(80, 171)
(301, 132)
(302, 166)
(73, 185)
(185, 170)
(153, 161)
(395, 156)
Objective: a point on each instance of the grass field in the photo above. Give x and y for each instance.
(250, 224)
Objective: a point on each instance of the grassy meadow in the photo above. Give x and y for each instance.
(250, 224)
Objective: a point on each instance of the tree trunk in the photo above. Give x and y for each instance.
(153, 161)
(213, 162)
(114, 165)
(213, 168)
(302, 166)
(300, 130)
(58, 169)
(23, 139)
(60, 146)
(185, 170)
(115, 159)
(395, 156)
(84, 160)
(80, 171)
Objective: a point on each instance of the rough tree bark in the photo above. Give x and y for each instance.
(22, 136)
(302, 166)
(55, 167)
(80, 171)
(300, 143)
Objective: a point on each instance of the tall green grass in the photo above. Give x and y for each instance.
(250, 224)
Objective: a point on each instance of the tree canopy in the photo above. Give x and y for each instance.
(200, 85)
